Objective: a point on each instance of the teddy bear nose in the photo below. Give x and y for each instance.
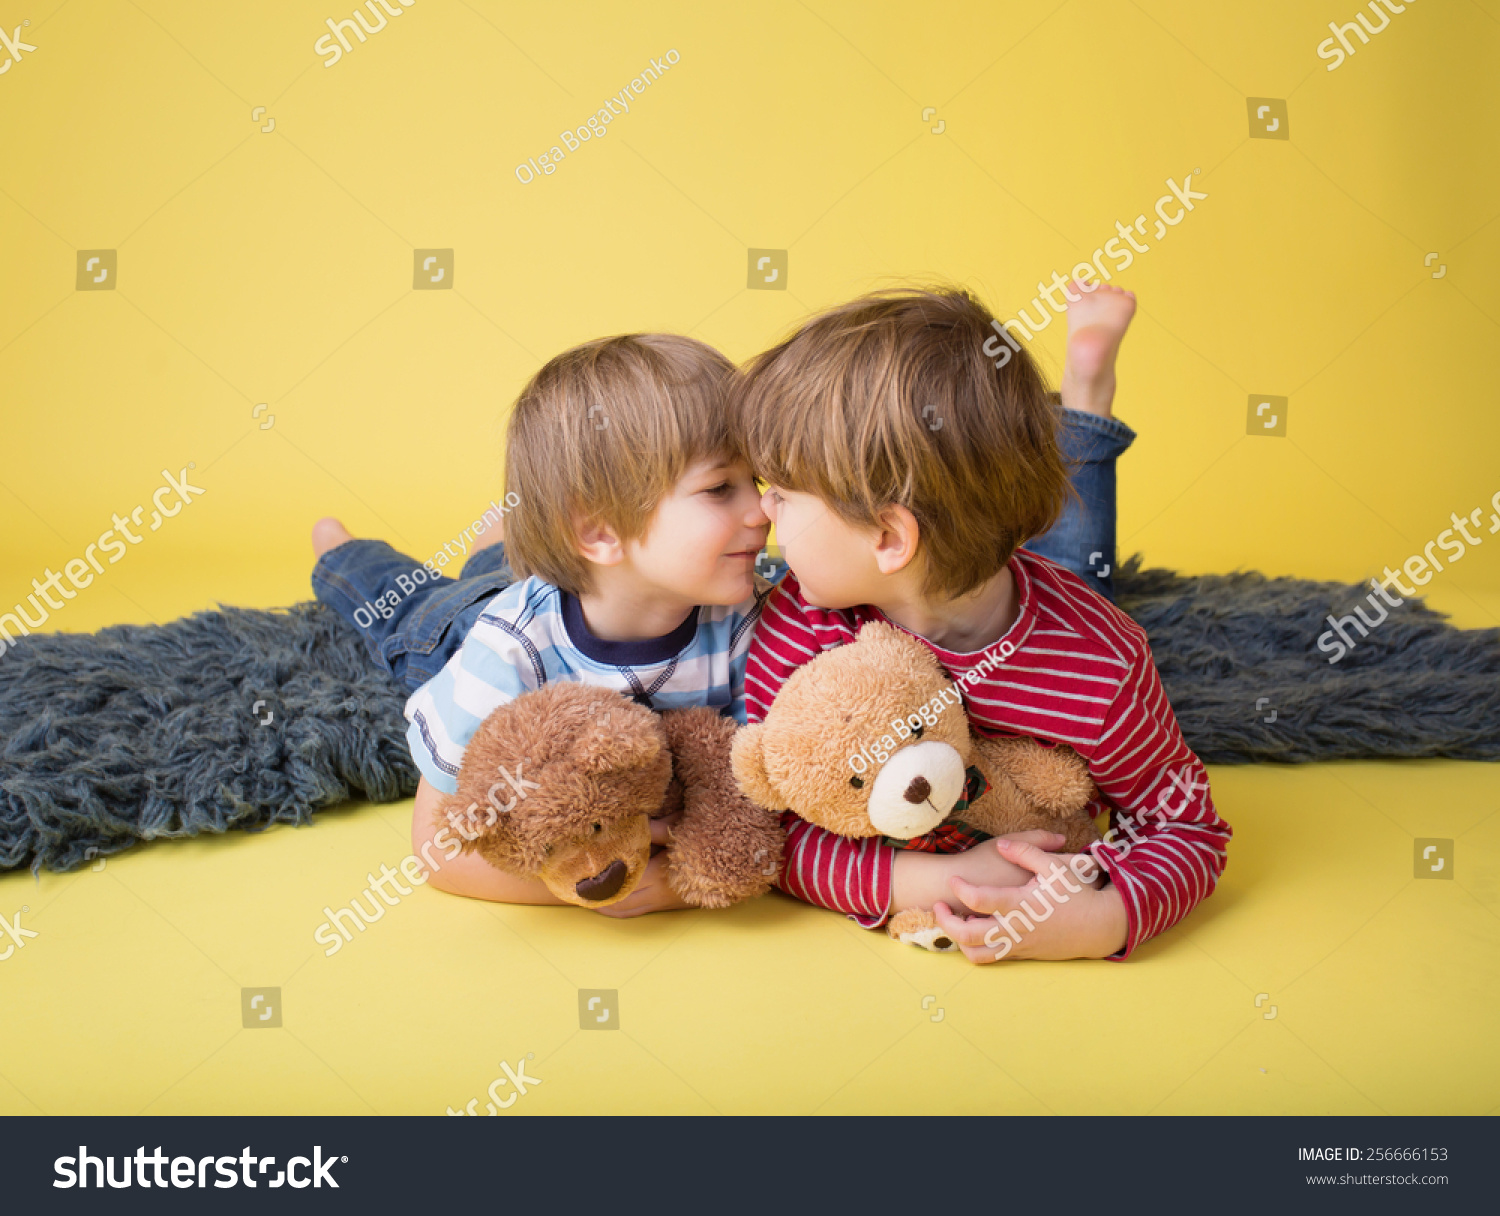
(918, 790)
(603, 884)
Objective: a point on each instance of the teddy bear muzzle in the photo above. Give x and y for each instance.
(601, 867)
(916, 789)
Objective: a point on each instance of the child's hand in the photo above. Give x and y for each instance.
(1084, 921)
(919, 880)
(985, 866)
(652, 893)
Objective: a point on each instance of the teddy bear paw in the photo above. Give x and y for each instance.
(935, 939)
(918, 927)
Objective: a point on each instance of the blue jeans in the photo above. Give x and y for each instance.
(413, 622)
(1083, 539)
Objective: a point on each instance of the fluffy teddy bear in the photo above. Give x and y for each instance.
(561, 783)
(871, 739)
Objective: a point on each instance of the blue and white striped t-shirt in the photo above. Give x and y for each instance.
(533, 632)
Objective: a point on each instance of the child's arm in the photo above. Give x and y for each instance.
(1163, 856)
(1085, 920)
(849, 876)
(921, 880)
(465, 873)
(867, 880)
(439, 732)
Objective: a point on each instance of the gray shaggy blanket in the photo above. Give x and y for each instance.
(242, 718)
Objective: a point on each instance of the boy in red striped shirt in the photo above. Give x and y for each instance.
(909, 455)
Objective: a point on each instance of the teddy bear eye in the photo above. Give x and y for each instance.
(916, 732)
(857, 782)
(598, 828)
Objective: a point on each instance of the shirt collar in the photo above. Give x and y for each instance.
(643, 652)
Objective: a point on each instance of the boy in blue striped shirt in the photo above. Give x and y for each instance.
(634, 532)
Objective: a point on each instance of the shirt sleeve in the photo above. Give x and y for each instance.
(490, 669)
(782, 642)
(849, 876)
(1167, 847)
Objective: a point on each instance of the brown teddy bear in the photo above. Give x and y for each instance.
(561, 783)
(871, 739)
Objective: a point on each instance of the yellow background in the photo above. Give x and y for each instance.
(277, 268)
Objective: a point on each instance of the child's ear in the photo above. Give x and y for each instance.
(598, 543)
(747, 759)
(896, 544)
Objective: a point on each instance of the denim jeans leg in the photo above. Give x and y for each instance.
(412, 621)
(1083, 539)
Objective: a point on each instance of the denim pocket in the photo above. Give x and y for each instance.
(433, 619)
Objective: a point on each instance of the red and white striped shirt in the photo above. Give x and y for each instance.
(1081, 674)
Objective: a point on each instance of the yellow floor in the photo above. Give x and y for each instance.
(267, 216)
(1383, 988)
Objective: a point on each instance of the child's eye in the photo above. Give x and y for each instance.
(720, 490)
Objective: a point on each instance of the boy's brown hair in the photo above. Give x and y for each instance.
(891, 399)
(600, 434)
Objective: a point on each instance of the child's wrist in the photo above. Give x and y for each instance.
(1113, 923)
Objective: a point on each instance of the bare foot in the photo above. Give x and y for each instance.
(328, 534)
(1096, 326)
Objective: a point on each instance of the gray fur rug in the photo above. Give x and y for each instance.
(243, 718)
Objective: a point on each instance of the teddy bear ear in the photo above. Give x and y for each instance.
(480, 828)
(878, 633)
(747, 759)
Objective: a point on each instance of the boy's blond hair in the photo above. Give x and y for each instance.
(600, 434)
(891, 400)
